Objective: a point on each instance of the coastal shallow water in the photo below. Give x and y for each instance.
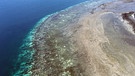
(88, 39)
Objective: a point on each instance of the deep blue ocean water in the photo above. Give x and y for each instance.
(17, 17)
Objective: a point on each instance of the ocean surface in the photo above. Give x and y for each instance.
(17, 18)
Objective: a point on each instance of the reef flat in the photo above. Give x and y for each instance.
(94, 38)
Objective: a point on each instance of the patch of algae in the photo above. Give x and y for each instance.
(58, 56)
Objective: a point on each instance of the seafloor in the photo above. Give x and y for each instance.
(94, 38)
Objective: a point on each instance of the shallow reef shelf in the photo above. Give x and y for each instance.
(50, 50)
